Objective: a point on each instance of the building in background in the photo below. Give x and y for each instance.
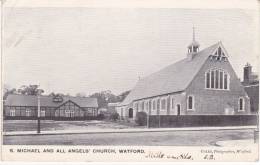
(251, 84)
(203, 83)
(51, 107)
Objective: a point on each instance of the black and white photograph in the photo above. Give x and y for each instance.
(130, 76)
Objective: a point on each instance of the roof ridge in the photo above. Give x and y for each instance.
(16, 94)
(165, 81)
(181, 60)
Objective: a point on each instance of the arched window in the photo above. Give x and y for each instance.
(217, 79)
(154, 104)
(163, 104)
(149, 105)
(190, 103)
(241, 104)
(143, 106)
(172, 103)
(136, 106)
(158, 104)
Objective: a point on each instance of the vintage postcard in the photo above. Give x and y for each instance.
(123, 80)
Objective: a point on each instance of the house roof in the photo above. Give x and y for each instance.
(113, 104)
(29, 100)
(173, 78)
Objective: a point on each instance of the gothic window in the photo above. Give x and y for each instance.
(190, 102)
(217, 79)
(154, 104)
(150, 105)
(221, 80)
(225, 81)
(143, 106)
(158, 104)
(163, 104)
(172, 103)
(212, 79)
(241, 104)
(136, 106)
(208, 80)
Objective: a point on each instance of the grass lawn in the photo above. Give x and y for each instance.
(47, 125)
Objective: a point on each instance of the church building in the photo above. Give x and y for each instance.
(203, 83)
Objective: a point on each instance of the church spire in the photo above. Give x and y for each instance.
(193, 48)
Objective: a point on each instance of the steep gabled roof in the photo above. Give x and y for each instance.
(173, 78)
(28, 100)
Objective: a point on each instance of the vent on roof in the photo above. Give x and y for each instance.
(219, 55)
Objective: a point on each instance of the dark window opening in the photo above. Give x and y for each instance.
(130, 113)
(190, 102)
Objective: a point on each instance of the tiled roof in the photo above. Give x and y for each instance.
(173, 78)
(28, 100)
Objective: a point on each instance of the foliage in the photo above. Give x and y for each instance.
(141, 118)
(30, 90)
(114, 116)
(105, 97)
(8, 92)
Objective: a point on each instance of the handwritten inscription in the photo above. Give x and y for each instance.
(161, 155)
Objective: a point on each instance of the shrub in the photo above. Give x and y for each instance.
(141, 118)
(101, 116)
(114, 116)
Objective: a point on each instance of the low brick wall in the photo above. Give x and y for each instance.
(202, 120)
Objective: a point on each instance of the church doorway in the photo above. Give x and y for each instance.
(130, 113)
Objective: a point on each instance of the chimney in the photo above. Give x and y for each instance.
(247, 73)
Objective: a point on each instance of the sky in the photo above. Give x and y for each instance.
(87, 50)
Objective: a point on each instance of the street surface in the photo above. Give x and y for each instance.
(173, 138)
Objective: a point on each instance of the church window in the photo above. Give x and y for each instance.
(143, 106)
(225, 81)
(212, 79)
(163, 104)
(158, 104)
(207, 80)
(221, 80)
(190, 102)
(136, 106)
(241, 104)
(154, 104)
(149, 105)
(172, 103)
(217, 79)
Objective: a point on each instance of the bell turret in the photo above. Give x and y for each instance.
(193, 47)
